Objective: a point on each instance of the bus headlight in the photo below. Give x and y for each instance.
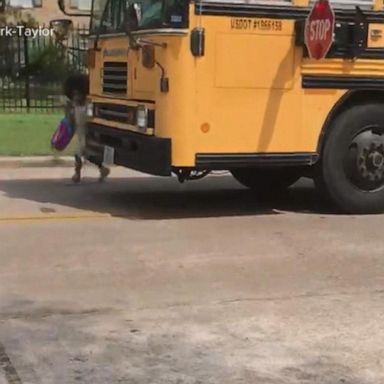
(142, 117)
(90, 109)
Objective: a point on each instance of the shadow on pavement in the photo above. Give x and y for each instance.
(161, 198)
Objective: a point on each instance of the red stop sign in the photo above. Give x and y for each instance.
(319, 28)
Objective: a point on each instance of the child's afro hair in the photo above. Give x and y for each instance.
(76, 84)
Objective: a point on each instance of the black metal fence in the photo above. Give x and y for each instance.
(32, 70)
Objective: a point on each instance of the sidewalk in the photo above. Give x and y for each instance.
(35, 161)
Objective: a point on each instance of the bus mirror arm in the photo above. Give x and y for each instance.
(141, 42)
(137, 42)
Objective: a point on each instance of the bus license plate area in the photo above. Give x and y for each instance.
(109, 155)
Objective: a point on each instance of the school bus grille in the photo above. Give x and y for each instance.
(115, 78)
(117, 113)
(121, 114)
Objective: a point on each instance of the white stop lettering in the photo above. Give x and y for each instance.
(319, 29)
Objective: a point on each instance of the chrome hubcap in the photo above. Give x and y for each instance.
(365, 161)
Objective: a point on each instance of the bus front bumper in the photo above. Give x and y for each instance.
(143, 153)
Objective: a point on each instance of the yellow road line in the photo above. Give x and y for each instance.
(53, 216)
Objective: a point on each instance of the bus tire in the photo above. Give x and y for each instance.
(350, 172)
(267, 181)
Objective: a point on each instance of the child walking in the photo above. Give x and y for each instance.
(76, 88)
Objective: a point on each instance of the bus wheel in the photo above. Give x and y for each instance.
(267, 180)
(351, 168)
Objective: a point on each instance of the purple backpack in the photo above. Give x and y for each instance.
(63, 135)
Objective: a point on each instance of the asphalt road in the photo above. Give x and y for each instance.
(144, 281)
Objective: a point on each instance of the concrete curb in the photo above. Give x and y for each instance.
(35, 162)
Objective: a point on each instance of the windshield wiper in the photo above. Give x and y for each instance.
(97, 38)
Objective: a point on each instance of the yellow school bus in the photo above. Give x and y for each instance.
(187, 87)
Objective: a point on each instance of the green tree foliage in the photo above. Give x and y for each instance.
(47, 61)
(10, 17)
(48, 64)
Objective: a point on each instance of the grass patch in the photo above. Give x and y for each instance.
(28, 134)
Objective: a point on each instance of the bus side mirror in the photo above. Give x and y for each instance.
(61, 28)
(62, 6)
(132, 17)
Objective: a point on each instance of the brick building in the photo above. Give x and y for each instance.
(45, 10)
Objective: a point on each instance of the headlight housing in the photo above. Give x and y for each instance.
(90, 109)
(142, 117)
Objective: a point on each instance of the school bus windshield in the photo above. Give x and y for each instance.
(151, 14)
(108, 16)
(97, 13)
